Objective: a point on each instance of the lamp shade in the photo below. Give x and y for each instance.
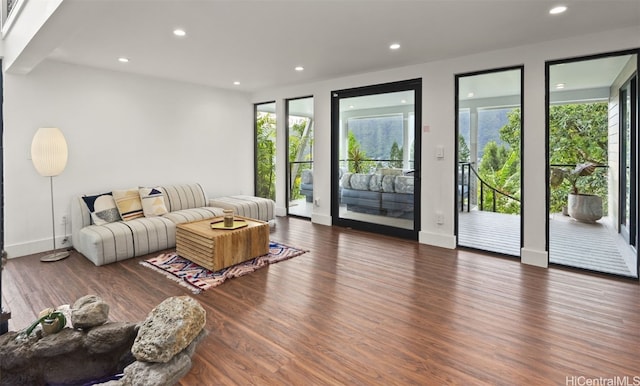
(49, 151)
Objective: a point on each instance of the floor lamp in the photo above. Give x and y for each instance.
(49, 157)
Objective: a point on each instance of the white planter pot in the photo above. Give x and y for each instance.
(585, 207)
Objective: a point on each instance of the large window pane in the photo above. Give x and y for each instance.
(300, 143)
(377, 159)
(488, 175)
(587, 164)
(265, 167)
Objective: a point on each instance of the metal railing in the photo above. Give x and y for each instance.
(464, 190)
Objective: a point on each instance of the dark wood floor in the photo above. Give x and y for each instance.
(362, 309)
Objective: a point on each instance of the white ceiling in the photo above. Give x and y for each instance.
(258, 43)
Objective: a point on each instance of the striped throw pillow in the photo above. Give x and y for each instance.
(128, 203)
(152, 202)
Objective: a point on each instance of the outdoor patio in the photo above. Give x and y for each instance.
(589, 246)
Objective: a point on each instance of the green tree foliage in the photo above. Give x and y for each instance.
(463, 150)
(500, 167)
(266, 156)
(494, 158)
(299, 151)
(358, 161)
(578, 133)
(395, 154)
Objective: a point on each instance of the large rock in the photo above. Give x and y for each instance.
(170, 327)
(154, 374)
(101, 339)
(68, 357)
(89, 311)
(79, 356)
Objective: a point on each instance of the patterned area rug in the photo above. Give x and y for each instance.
(198, 279)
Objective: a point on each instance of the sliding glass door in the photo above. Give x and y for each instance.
(265, 151)
(300, 150)
(628, 158)
(488, 175)
(376, 158)
(592, 162)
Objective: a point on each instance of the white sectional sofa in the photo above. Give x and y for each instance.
(119, 240)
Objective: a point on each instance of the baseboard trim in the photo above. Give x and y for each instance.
(437, 239)
(321, 219)
(281, 212)
(534, 257)
(36, 246)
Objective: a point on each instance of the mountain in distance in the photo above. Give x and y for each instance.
(490, 121)
(377, 134)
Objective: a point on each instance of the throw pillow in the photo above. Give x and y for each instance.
(152, 202)
(128, 203)
(102, 208)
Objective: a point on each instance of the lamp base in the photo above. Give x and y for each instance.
(55, 256)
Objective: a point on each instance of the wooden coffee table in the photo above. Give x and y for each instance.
(216, 249)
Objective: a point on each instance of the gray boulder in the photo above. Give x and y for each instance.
(89, 311)
(170, 327)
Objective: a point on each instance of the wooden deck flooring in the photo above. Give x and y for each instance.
(571, 243)
(363, 309)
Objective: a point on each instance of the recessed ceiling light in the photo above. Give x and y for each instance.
(236, 83)
(557, 10)
(470, 95)
(403, 101)
(351, 106)
(560, 86)
(299, 68)
(123, 60)
(394, 46)
(179, 32)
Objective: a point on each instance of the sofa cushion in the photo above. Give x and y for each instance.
(345, 180)
(152, 202)
(258, 208)
(360, 198)
(194, 214)
(184, 196)
(404, 184)
(388, 183)
(102, 208)
(128, 203)
(104, 244)
(389, 171)
(375, 184)
(307, 177)
(360, 181)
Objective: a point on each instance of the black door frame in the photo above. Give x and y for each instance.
(414, 85)
(548, 64)
(629, 88)
(457, 131)
(286, 136)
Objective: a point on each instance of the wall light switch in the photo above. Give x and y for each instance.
(440, 152)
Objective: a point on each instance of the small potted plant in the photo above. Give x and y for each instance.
(52, 321)
(581, 206)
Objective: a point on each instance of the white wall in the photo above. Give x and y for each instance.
(122, 131)
(438, 114)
